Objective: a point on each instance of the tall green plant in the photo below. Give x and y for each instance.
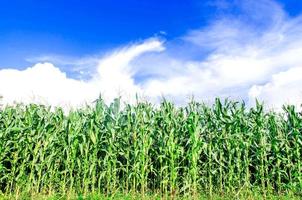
(168, 150)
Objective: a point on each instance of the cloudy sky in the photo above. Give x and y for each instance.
(67, 53)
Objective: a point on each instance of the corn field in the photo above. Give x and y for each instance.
(225, 148)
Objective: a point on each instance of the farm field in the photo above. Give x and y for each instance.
(142, 151)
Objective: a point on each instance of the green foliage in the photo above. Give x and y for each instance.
(172, 151)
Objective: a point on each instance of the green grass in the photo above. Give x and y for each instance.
(247, 196)
(223, 151)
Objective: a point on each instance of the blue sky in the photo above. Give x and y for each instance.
(227, 48)
(76, 28)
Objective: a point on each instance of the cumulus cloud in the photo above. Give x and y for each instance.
(255, 53)
(283, 88)
(44, 83)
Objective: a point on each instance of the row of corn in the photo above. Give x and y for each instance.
(189, 150)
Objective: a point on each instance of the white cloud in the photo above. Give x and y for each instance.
(241, 56)
(283, 88)
(115, 73)
(45, 83)
(42, 83)
(253, 54)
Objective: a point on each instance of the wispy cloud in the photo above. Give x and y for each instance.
(254, 53)
(245, 51)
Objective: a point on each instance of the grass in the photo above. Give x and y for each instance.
(145, 197)
(223, 151)
(120, 196)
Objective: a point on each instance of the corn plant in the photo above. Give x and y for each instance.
(197, 149)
